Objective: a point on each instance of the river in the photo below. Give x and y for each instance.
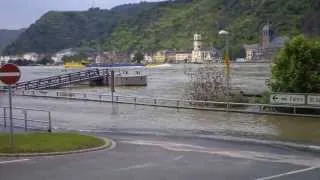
(170, 82)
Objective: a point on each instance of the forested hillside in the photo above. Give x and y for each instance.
(168, 25)
(8, 36)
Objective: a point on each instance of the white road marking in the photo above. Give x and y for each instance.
(146, 165)
(9, 74)
(137, 166)
(178, 158)
(161, 143)
(14, 161)
(288, 173)
(252, 155)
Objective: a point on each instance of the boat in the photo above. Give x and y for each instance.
(158, 65)
(75, 65)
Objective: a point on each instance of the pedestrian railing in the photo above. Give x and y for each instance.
(272, 109)
(28, 119)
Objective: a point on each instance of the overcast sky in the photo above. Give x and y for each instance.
(16, 14)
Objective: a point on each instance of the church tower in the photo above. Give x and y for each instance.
(266, 36)
(197, 42)
(197, 56)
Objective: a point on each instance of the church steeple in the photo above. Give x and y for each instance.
(266, 35)
(197, 42)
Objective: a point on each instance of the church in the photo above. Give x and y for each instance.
(199, 54)
(268, 46)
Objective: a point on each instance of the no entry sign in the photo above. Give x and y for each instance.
(9, 74)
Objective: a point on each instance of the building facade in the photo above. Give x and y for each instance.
(197, 53)
(183, 57)
(200, 54)
(4, 59)
(112, 57)
(159, 57)
(32, 56)
(57, 57)
(268, 46)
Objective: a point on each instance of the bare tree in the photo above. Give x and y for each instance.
(209, 84)
(206, 84)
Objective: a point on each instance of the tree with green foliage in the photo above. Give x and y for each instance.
(153, 26)
(237, 51)
(297, 67)
(138, 57)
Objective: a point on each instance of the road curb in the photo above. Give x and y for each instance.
(108, 144)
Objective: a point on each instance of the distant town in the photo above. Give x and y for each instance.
(261, 51)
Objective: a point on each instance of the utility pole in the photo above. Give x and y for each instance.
(225, 34)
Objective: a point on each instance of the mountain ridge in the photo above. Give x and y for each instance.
(151, 26)
(7, 36)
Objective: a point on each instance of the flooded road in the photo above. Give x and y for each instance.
(170, 82)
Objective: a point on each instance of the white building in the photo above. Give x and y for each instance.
(197, 55)
(147, 58)
(200, 54)
(57, 58)
(32, 56)
(4, 59)
(253, 51)
(182, 57)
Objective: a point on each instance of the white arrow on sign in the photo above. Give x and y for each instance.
(287, 99)
(274, 99)
(9, 74)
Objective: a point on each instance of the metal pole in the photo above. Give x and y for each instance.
(5, 116)
(10, 116)
(50, 123)
(111, 96)
(228, 73)
(25, 121)
(112, 85)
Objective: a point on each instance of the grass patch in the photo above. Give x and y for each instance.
(47, 142)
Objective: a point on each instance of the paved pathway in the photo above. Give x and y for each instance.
(157, 157)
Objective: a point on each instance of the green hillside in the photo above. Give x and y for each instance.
(8, 36)
(168, 25)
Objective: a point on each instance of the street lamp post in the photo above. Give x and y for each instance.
(226, 64)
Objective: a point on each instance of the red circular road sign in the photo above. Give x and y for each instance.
(9, 74)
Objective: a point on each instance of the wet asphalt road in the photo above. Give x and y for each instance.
(161, 158)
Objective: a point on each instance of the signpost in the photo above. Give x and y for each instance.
(313, 100)
(287, 99)
(295, 99)
(112, 85)
(10, 75)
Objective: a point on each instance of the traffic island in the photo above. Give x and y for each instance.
(46, 144)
